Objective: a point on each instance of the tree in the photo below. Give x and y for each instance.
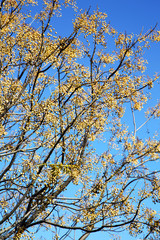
(59, 95)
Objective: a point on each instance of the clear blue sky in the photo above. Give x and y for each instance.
(125, 16)
(129, 16)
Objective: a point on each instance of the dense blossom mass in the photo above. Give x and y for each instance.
(58, 97)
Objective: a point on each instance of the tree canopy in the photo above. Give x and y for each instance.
(60, 96)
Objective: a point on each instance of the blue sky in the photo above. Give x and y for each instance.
(125, 16)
